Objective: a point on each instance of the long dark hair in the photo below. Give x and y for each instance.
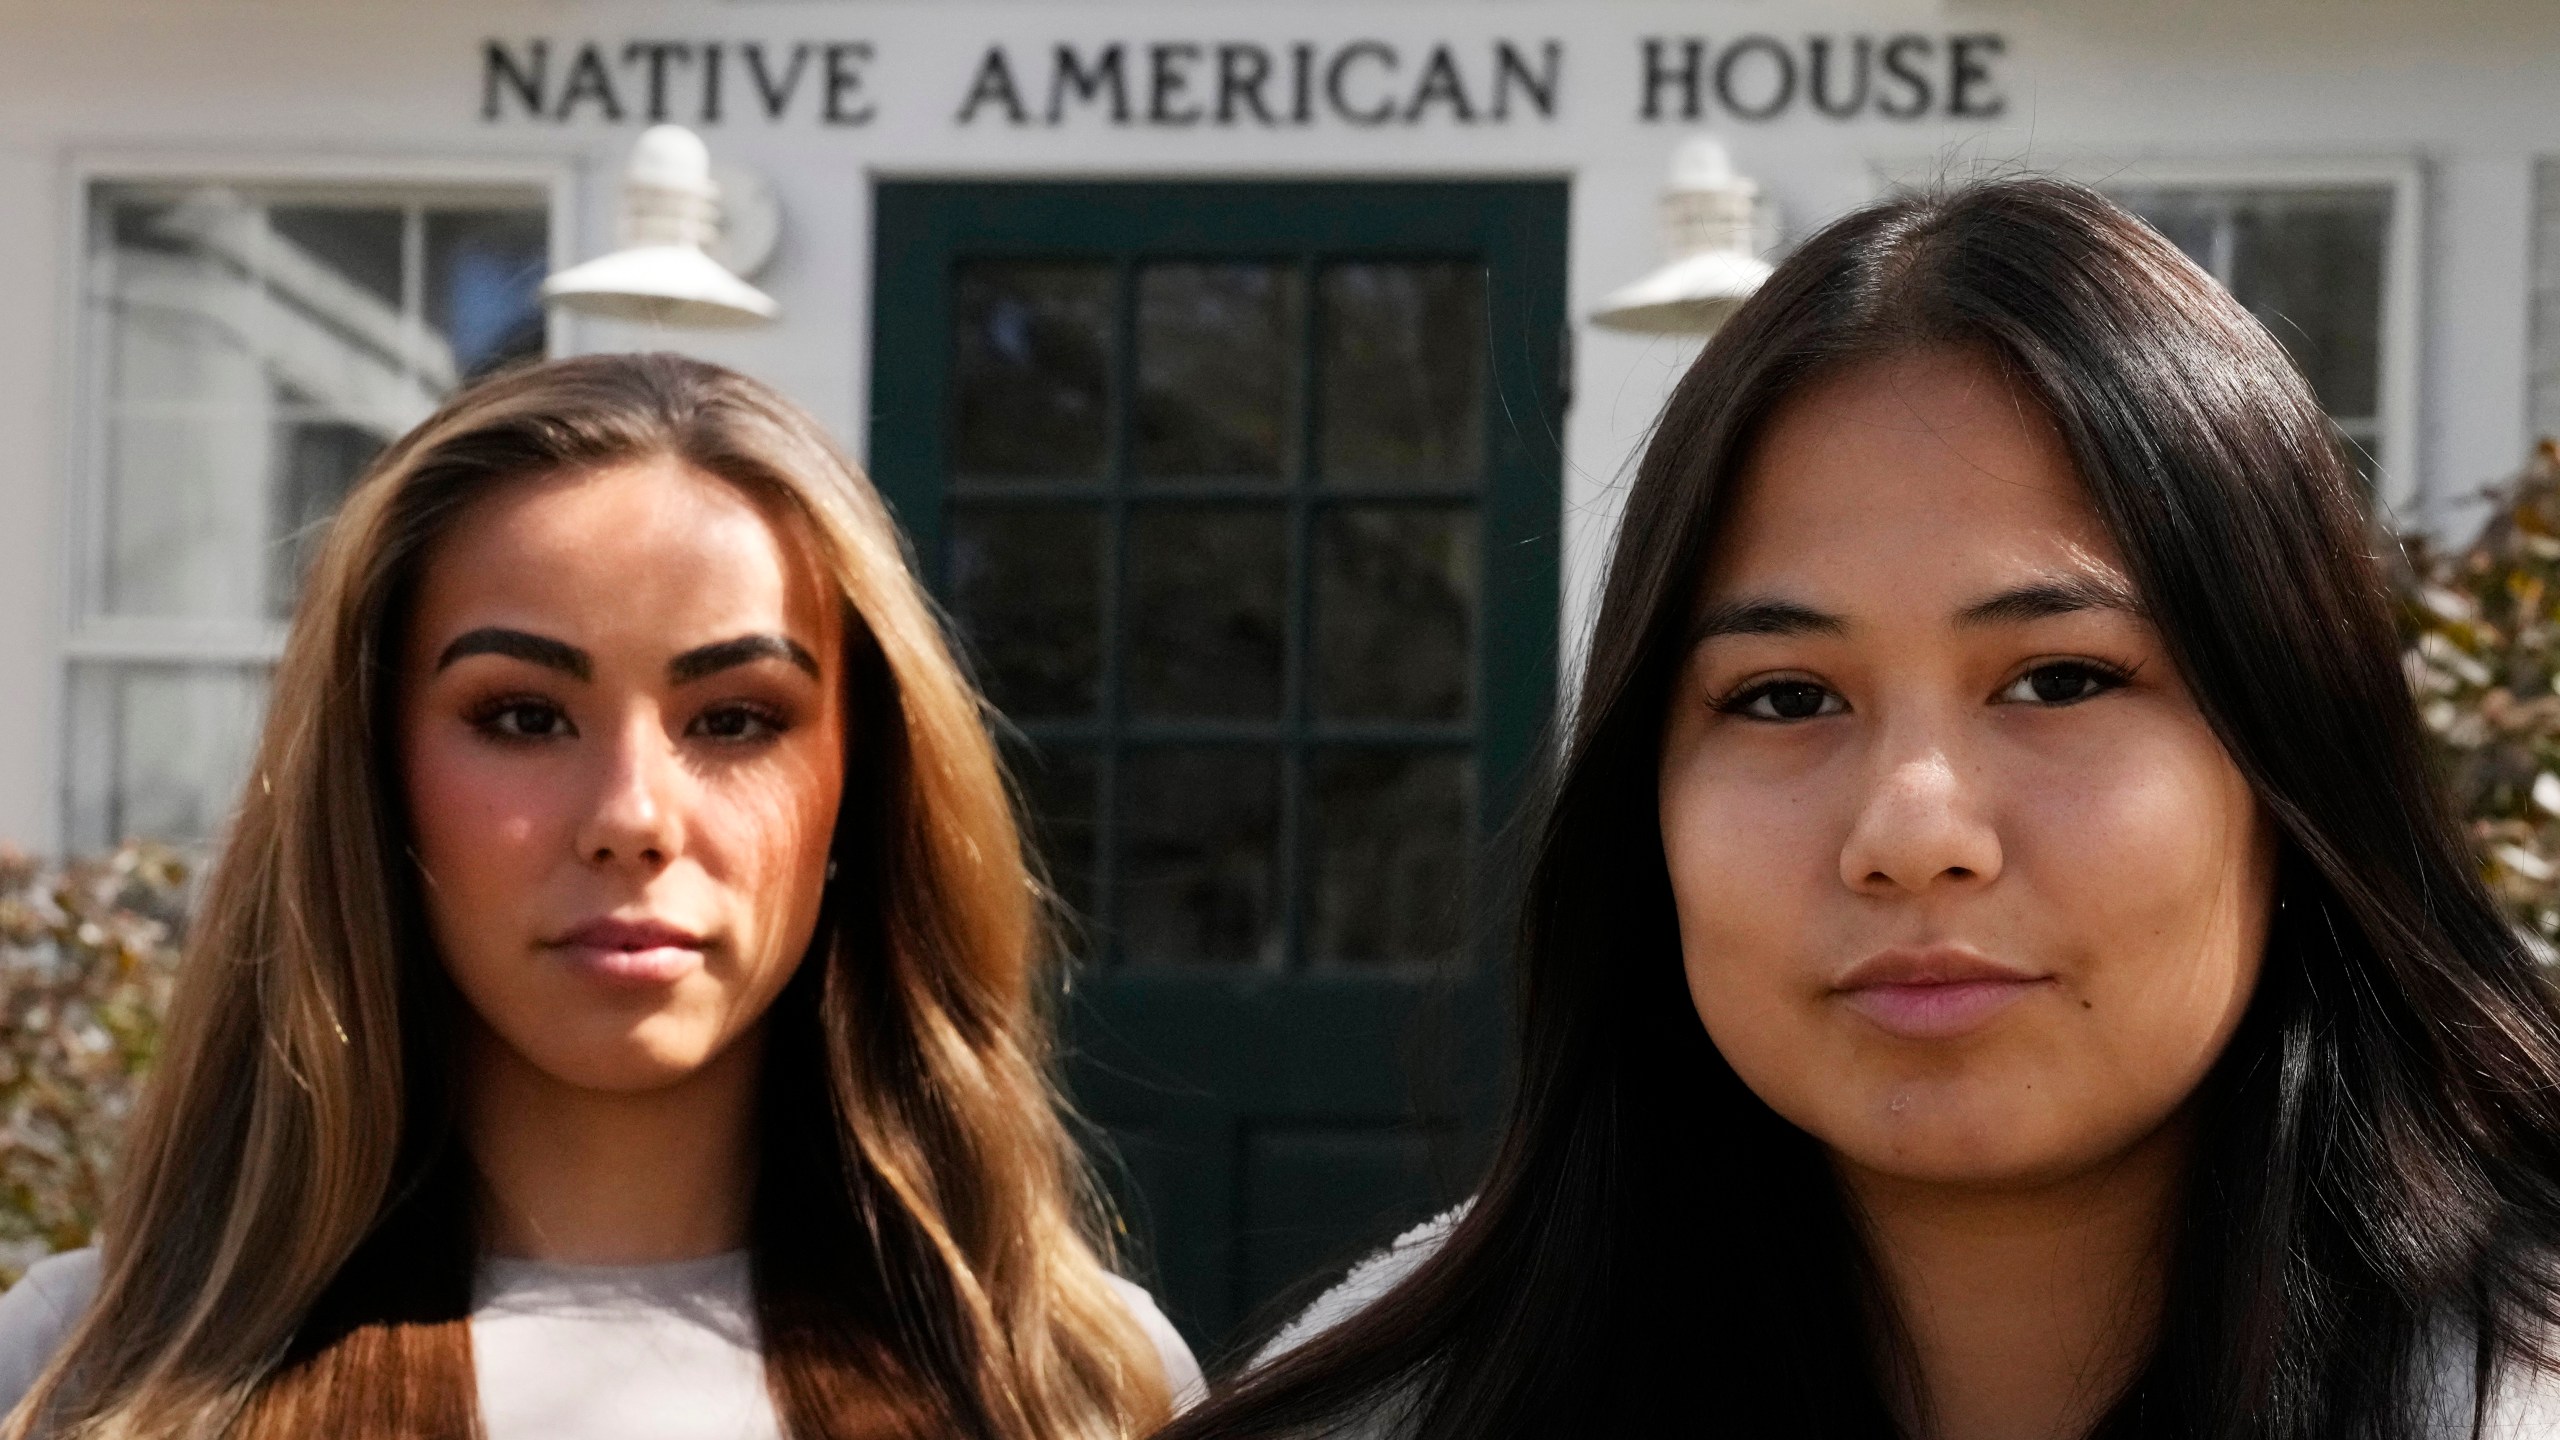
(2374, 1197)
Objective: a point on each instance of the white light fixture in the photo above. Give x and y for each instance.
(1708, 216)
(671, 210)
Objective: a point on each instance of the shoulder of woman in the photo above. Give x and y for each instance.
(1368, 1280)
(2524, 1391)
(2525, 1405)
(1181, 1371)
(38, 1313)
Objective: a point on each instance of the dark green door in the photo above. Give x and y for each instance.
(1245, 501)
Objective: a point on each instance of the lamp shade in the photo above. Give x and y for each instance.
(1694, 295)
(1708, 215)
(661, 275)
(661, 285)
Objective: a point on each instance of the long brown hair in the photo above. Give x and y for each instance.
(290, 1248)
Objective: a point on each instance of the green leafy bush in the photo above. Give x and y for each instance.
(2482, 626)
(87, 956)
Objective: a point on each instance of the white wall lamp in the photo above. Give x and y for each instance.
(674, 216)
(1709, 215)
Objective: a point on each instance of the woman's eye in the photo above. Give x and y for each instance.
(525, 720)
(1785, 700)
(2064, 682)
(736, 723)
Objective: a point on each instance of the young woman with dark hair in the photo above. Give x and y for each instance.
(618, 1009)
(1995, 961)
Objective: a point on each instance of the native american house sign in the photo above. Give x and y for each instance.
(1200, 82)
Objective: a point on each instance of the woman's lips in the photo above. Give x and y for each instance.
(1938, 993)
(630, 954)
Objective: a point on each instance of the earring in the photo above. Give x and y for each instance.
(831, 867)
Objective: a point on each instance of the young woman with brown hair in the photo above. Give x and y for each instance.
(617, 1008)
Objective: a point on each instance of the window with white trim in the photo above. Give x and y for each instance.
(246, 350)
(2313, 263)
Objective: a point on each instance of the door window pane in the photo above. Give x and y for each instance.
(1207, 588)
(1031, 370)
(1199, 855)
(1402, 364)
(1218, 364)
(1026, 587)
(1387, 855)
(1395, 612)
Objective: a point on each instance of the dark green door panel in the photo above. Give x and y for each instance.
(1246, 500)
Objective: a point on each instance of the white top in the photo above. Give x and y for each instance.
(1368, 1280)
(2526, 1405)
(570, 1352)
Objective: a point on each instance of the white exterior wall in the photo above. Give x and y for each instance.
(2463, 93)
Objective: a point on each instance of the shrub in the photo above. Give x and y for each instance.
(2483, 630)
(87, 956)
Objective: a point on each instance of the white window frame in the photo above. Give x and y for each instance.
(84, 632)
(2396, 481)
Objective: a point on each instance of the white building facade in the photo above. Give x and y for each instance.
(244, 242)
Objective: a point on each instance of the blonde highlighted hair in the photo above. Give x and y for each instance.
(290, 1245)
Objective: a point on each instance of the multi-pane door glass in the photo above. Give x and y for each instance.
(248, 352)
(1212, 531)
(2309, 263)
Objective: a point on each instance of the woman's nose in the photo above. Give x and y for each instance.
(634, 817)
(1919, 827)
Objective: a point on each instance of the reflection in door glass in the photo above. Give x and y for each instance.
(1387, 855)
(1031, 370)
(1205, 599)
(1199, 855)
(1217, 371)
(1401, 363)
(1059, 784)
(1026, 586)
(1395, 598)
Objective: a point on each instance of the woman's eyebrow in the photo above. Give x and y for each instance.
(722, 655)
(1762, 617)
(2044, 599)
(521, 645)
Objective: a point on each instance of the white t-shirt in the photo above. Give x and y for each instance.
(569, 1352)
